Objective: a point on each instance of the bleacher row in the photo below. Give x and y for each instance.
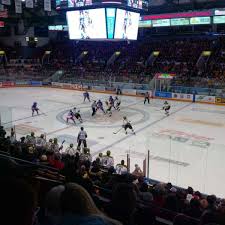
(41, 185)
(177, 55)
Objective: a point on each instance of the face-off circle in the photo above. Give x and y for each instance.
(102, 120)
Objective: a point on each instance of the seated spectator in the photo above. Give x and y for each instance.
(53, 213)
(124, 200)
(79, 208)
(40, 143)
(18, 202)
(194, 209)
(137, 171)
(30, 139)
(121, 168)
(107, 160)
(144, 194)
(71, 150)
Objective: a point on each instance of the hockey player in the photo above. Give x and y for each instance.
(166, 107)
(34, 108)
(86, 96)
(109, 109)
(100, 106)
(81, 138)
(147, 98)
(77, 114)
(111, 102)
(70, 116)
(94, 108)
(127, 124)
(117, 102)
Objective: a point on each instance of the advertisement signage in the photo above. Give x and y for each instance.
(146, 23)
(163, 94)
(200, 20)
(180, 21)
(218, 19)
(161, 23)
(180, 96)
(204, 98)
(220, 100)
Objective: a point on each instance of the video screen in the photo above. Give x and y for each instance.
(79, 3)
(126, 25)
(135, 3)
(87, 24)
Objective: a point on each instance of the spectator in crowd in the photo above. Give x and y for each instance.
(79, 208)
(30, 139)
(121, 168)
(18, 202)
(124, 200)
(137, 171)
(108, 160)
(71, 150)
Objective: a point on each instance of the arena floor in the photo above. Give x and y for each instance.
(187, 148)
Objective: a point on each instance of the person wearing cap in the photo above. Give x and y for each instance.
(81, 138)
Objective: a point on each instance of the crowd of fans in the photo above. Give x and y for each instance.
(42, 183)
(133, 62)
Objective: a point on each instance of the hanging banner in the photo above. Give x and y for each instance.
(47, 5)
(18, 6)
(29, 4)
(6, 2)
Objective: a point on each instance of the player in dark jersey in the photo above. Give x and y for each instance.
(100, 106)
(34, 108)
(166, 107)
(109, 108)
(77, 114)
(70, 116)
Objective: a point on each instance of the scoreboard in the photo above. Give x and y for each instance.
(74, 4)
(103, 24)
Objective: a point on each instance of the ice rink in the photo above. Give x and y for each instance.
(187, 148)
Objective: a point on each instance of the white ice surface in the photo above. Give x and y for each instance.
(187, 148)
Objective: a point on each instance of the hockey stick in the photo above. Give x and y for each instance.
(42, 113)
(61, 147)
(116, 132)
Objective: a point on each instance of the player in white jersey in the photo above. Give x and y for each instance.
(117, 103)
(127, 125)
(81, 138)
(166, 107)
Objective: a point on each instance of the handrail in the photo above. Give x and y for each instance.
(28, 162)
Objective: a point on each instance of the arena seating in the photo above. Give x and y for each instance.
(176, 55)
(128, 198)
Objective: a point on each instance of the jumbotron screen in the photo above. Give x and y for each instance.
(102, 23)
(136, 4)
(126, 25)
(87, 24)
